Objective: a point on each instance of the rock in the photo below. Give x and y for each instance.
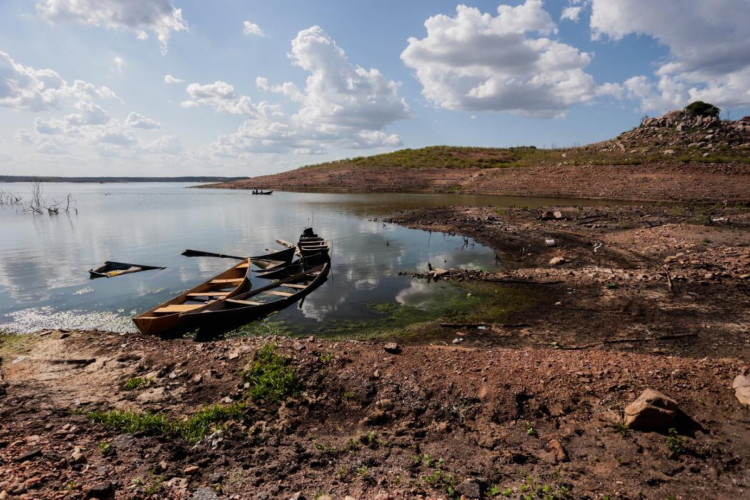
(557, 450)
(216, 477)
(550, 242)
(190, 469)
(36, 452)
(392, 348)
(741, 386)
(101, 490)
(471, 488)
(384, 404)
(298, 496)
(78, 457)
(558, 215)
(204, 494)
(652, 410)
(556, 261)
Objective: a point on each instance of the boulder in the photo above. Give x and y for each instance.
(471, 488)
(652, 410)
(204, 494)
(392, 348)
(103, 490)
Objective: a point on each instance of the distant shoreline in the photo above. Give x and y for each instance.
(109, 180)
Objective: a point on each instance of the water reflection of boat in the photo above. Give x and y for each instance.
(168, 316)
(255, 304)
(260, 191)
(111, 269)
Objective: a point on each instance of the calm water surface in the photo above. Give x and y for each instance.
(44, 259)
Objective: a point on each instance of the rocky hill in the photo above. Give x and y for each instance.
(682, 155)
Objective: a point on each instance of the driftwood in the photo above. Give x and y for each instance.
(625, 341)
(521, 282)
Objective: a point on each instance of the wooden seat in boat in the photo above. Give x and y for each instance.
(245, 302)
(177, 308)
(280, 294)
(230, 281)
(208, 294)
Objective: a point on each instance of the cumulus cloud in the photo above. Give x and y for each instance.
(475, 61)
(249, 28)
(171, 80)
(342, 104)
(571, 13)
(159, 17)
(22, 87)
(136, 120)
(707, 42)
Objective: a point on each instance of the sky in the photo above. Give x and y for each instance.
(245, 88)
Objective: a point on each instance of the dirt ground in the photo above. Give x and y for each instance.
(653, 182)
(644, 297)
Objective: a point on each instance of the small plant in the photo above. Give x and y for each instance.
(270, 377)
(362, 471)
(105, 447)
(493, 491)
(326, 358)
(621, 428)
(135, 383)
(507, 492)
(530, 431)
(675, 444)
(612, 285)
(371, 439)
(348, 396)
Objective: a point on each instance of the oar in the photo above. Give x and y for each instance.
(201, 253)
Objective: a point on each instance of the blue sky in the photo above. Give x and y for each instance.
(230, 87)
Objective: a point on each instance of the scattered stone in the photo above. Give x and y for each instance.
(204, 493)
(190, 469)
(741, 386)
(471, 488)
(558, 451)
(652, 410)
(298, 496)
(78, 457)
(392, 348)
(216, 477)
(36, 452)
(550, 242)
(103, 490)
(556, 261)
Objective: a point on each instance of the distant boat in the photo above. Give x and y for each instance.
(168, 316)
(255, 304)
(260, 191)
(111, 269)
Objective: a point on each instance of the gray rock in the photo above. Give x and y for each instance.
(101, 490)
(652, 410)
(392, 348)
(471, 488)
(204, 494)
(36, 452)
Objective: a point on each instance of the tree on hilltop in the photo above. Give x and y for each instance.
(700, 108)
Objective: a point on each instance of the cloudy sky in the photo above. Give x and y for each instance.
(243, 87)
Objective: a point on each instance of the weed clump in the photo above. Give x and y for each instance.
(271, 378)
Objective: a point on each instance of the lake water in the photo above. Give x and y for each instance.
(44, 259)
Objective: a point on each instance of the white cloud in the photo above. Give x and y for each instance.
(341, 104)
(119, 63)
(171, 80)
(571, 14)
(707, 41)
(479, 62)
(136, 120)
(249, 28)
(22, 87)
(142, 16)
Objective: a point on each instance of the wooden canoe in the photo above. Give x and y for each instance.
(168, 315)
(255, 304)
(310, 243)
(110, 269)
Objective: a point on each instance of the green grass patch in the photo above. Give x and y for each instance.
(136, 383)
(271, 378)
(192, 429)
